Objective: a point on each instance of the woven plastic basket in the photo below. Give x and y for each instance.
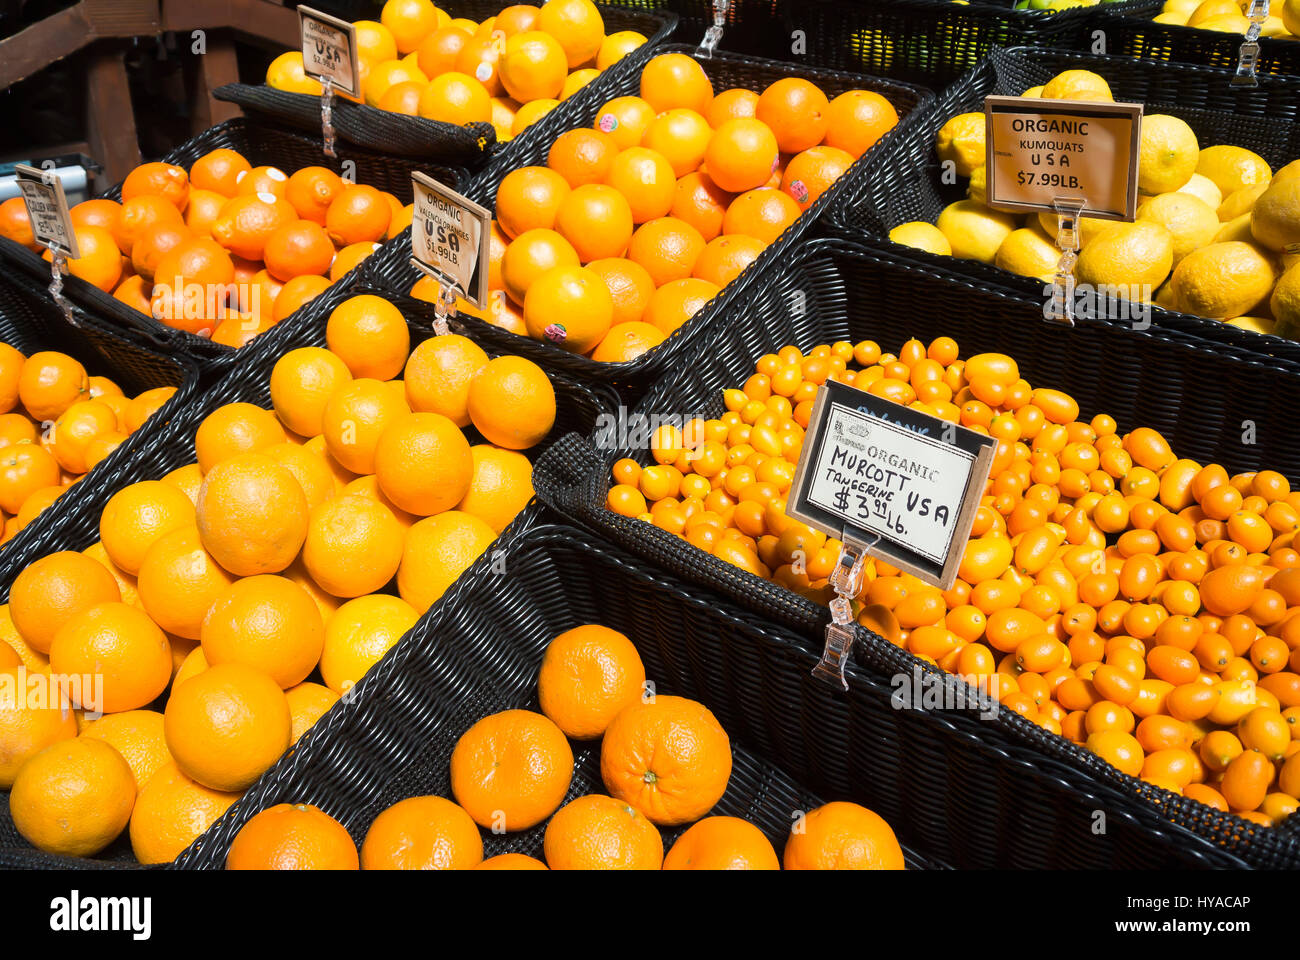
(1262, 119)
(166, 446)
(836, 290)
(261, 143)
(956, 793)
(391, 267)
(933, 42)
(1131, 34)
(432, 141)
(753, 27)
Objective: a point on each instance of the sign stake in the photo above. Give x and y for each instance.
(713, 36)
(1068, 213)
(47, 209)
(846, 581)
(329, 53)
(1248, 55)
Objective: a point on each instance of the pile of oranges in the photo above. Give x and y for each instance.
(510, 70)
(1143, 605)
(665, 761)
(226, 249)
(305, 540)
(56, 424)
(635, 224)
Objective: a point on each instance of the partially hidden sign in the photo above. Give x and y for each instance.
(905, 481)
(450, 235)
(47, 208)
(329, 50)
(1038, 151)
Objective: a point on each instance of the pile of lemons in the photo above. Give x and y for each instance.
(1229, 16)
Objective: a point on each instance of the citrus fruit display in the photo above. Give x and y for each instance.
(635, 223)
(224, 250)
(1213, 235)
(509, 69)
(1135, 602)
(57, 422)
(1231, 16)
(227, 605)
(664, 760)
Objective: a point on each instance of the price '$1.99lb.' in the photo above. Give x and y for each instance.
(450, 235)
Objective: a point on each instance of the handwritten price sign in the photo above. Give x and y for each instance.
(450, 234)
(329, 50)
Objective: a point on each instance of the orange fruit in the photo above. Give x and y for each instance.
(437, 53)
(192, 283)
(511, 861)
(618, 45)
(403, 97)
(438, 375)
(35, 504)
(309, 468)
(680, 135)
(422, 833)
(179, 581)
(138, 214)
(375, 42)
(353, 545)
(480, 58)
(597, 832)
(122, 648)
(627, 341)
(52, 591)
(356, 214)
(101, 212)
(292, 837)
(676, 302)
(796, 111)
(625, 119)
(233, 429)
(439, 549)
(646, 180)
(298, 248)
(219, 171)
(239, 328)
(570, 307)
(517, 18)
(137, 516)
(11, 368)
(354, 418)
(302, 381)
(811, 173)
(725, 257)
(311, 190)
(246, 222)
(534, 66)
(370, 336)
(630, 285)
(358, 635)
(668, 248)
(531, 254)
(730, 105)
(27, 725)
(158, 179)
(100, 264)
(186, 479)
(722, 843)
(153, 243)
(529, 197)
(226, 725)
(73, 798)
(511, 770)
(350, 257)
(423, 463)
(857, 119)
(76, 429)
(673, 80)
(456, 98)
(295, 294)
(588, 675)
(577, 25)
(582, 156)
(308, 702)
(265, 179)
(763, 214)
(145, 405)
(252, 515)
(512, 403)
(138, 736)
(203, 209)
(742, 155)
(16, 225)
(171, 812)
(268, 623)
(25, 468)
(842, 836)
(668, 756)
(596, 219)
(16, 428)
(500, 486)
(699, 201)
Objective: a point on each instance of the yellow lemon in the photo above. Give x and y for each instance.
(1241, 201)
(1274, 27)
(1034, 91)
(384, 75)
(1237, 228)
(1275, 219)
(286, 73)
(1089, 227)
(1185, 7)
(973, 230)
(1257, 324)
(1223, 280)
(1203, 188)
(1232, 168)
(1137, 256)
(1076, 85)
(1291, 16)
(1229, 23)
(1210, 9)
(1171, 19)
(1165, 297)
(1168, 154)
(1028, 252)
(923, 236)
(1285, 304)
(961, 141)
(978, 188)
(1192, 222)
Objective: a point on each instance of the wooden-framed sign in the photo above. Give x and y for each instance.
(904, 481)
(47, 208)
(329, 50)
(450, 235)
(1038, 151)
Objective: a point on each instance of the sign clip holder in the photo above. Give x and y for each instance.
(327, 117)
(1248, 56)
(1069, 211)
(444, 308)
(846, 581)
(713, 36)
(43, 186)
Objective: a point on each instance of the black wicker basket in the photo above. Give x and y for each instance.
(837, 290)
(955, 791)
(1131, 34)
(261, 143)
(391, 268)
(1263, 119)
(30, 322)
(933, 42)
(167, 445)
(753, 27)
(432, 141)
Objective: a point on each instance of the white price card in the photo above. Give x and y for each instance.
(450, 235)
(47, 208)
(329, 50)
(907, 482)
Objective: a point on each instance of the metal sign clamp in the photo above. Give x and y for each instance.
(1069, 213)
(1248, 55)
(846, 581)
(444, 308)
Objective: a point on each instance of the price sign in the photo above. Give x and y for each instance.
(47, 208)
(450, 235)
(1040, 150)
(329, 50)
(906, 481)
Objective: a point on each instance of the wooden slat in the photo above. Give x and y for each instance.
(215, 68)
(110, 119)
(258, 18)
(64, 33)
